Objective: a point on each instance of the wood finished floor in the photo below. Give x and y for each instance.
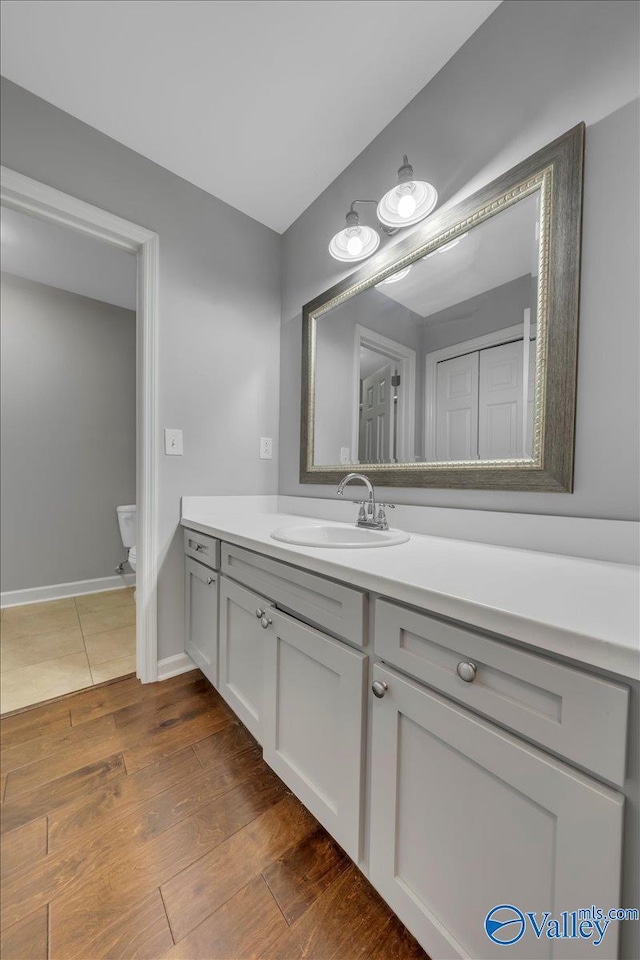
(141, 822)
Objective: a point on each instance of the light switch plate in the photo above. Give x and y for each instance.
(173, 442)
(266, 448)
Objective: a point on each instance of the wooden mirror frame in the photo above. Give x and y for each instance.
(557, 172)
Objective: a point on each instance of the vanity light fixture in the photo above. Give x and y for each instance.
(408, 202)
(356, 241)
(405, 204)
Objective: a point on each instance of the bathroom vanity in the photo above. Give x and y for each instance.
(465, 752)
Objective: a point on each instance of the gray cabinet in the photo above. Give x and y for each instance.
(201, 617)
(334, 607)
(575, 714)
(465, 817)
(242, 643)
(480, 781)
(202, 547)
(313, 723)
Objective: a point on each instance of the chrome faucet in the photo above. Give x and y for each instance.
(371, 514)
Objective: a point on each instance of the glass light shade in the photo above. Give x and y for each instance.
(407, 203)
(400, 275)
(354, 243)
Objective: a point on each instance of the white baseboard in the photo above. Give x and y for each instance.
(59, 591)
(172, 666)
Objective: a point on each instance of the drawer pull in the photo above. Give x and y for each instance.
(265, 622)
(209, 580)
(467, 671)
(197, 546)
(259, 613)
(379, 688)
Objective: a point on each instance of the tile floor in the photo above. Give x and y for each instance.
(52, 648)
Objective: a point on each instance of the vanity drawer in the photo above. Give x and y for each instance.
(203, 548)
(336, 609)
(573, 713)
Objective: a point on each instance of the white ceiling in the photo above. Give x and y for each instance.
(501, 249)
(60, 257)
(260, 102)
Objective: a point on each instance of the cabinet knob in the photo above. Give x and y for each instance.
(259, 613)
(265, 622)
(209, 580)
(197, 546)
(467, 671)
(379, 688)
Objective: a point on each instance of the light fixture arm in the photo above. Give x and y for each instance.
(353, 202)
(388, 230)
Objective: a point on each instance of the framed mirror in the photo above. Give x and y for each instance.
(449, 360)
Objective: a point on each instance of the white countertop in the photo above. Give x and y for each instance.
(585, 610)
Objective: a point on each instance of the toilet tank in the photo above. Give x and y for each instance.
(127, 520)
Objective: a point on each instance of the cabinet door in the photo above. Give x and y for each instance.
(313, 723)
(242, 642)
(465, 817)
(201, 617)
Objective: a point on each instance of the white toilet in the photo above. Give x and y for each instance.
(128, 522)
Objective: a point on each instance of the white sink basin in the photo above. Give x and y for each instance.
(345, 537)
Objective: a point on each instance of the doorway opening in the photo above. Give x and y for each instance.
(102, 608)
(383, 429)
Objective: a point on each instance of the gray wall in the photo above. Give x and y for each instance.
(68, 433)
(219, 315)
(532, 71)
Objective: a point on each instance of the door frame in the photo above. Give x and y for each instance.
(406, 357)
(431, 361)
(29, 196)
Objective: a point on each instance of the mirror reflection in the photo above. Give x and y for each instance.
(437, 362)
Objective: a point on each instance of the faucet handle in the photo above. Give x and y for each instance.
(361, 512)
(382, 517)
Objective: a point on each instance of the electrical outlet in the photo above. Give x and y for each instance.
(266, 448)
(345, 455)
(173, 443)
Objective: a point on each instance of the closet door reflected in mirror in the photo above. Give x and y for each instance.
(484, 403)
